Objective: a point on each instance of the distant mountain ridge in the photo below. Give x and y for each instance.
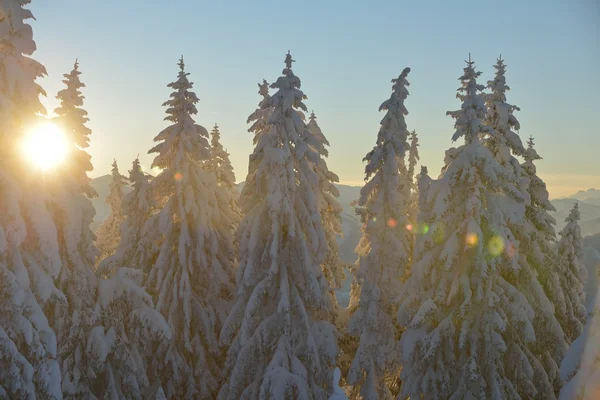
(589, 207)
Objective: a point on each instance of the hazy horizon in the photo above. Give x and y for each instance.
(346, 57)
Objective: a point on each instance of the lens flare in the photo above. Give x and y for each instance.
(409, 227)
(472, 239)
(392, 223)
(496, 246)
(178, 176)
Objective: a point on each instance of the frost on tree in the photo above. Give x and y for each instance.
(190, 279)
(580, 369)
(108, 233)
(135, 246)
(105, 325)
(331, 220)
(469, 328)
(29, 259)
(572, 274)
(384, 250)
(277, 347)
(260, 117)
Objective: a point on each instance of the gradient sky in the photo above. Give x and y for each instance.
(347, 52)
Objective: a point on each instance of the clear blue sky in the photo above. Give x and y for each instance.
(347, 52)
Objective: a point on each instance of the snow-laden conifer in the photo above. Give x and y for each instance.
(330, 210)
(29, 259)
(501, 118)
(470, 329)
(105, 325)
(533, 239)
(277, 349)
(108, 233)
(413, 159)
(572, 274)
(227, 194)
(384, 250)
(537, 241)
(135, 246)
(580, 369)
(190, 278)
(260, 117)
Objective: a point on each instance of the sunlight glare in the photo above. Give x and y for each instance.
(45, 145)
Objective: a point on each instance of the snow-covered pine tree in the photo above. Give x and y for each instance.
(533, 238)
(135, 246)
(580, 368)
(191, 278)
(413, 159)
(105, 323)
(469, 328)
(220, 165)
(538, 251)
(260, 117)
(572, 274)
(384, 250)
(500, 117)
(108, 233)
(275, 344)
(28, 248)
(73, 214)
(331, 220)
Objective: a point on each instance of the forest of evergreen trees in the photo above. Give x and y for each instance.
(463, 289)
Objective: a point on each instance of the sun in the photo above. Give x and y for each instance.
(45, 145)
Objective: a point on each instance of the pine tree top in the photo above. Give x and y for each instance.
(392, 134)
(116, 175)
(71, 101)
(183, 101)
(574, 214)
(181, 107)
(469, 119)
(215, 137)
(531, 154)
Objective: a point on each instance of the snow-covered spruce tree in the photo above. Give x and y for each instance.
(331, 220)
(135, 246)
(108, 233)
(260, 117)
(384, 250)
(533, 238)
(227, 194)
(469, 328)
(73, 214)
(277, 348)
(580, 368)
(572, 275)
(28, 248)
(104, 324)
(191, 277)
(219, 162)
(413, 159)
(500, 117)
(538, 251)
